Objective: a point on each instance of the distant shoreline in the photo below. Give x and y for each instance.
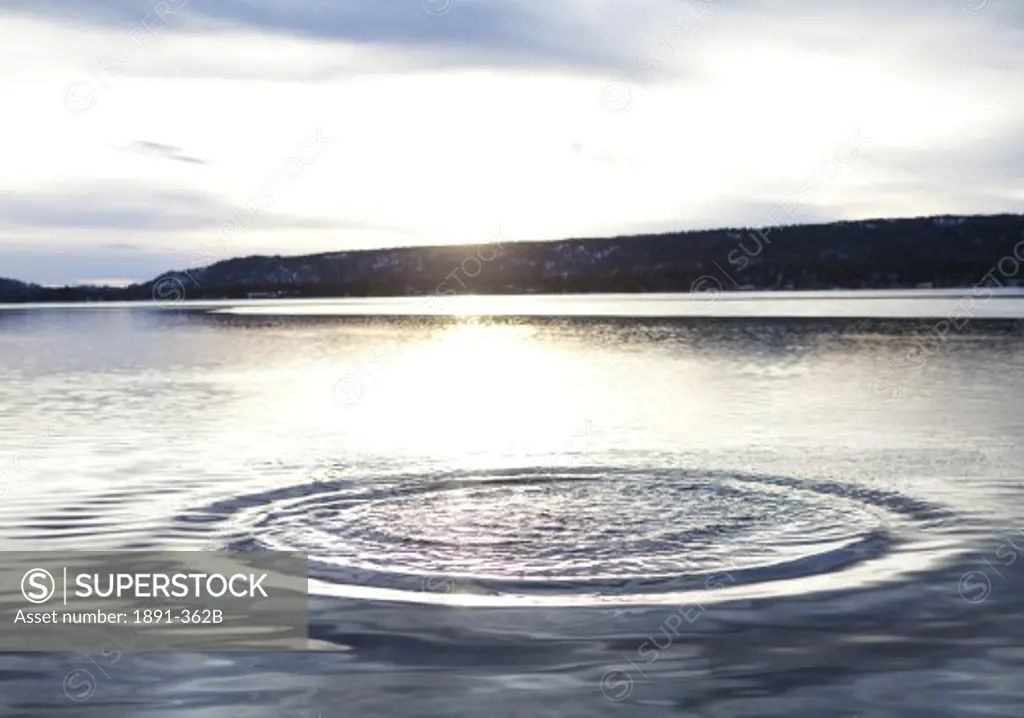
(929, 253)
(728, 294)
(956, 307)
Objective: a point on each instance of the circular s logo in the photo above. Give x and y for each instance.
(348, 390)
(79, 685)
(885, 390)
(168, 291)
(617, 685)
(439, 584)
(38, 586)
(706, 289)
(616, 97)
(974, 586)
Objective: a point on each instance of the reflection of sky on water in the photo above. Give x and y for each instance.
(152, 419)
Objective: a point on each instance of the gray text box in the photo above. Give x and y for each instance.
(151, 601)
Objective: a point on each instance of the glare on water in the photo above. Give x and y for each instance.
(546, 480)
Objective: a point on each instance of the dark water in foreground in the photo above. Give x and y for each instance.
(749, 516)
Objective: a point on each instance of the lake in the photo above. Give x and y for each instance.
(779, 504)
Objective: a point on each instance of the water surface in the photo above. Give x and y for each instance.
(656, 505)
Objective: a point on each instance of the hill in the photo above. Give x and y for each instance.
(947, 251)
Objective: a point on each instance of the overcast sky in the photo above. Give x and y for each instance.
(137, 132)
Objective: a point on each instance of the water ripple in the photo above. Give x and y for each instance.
(583, 536)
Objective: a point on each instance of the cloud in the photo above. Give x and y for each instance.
(114, 208)
(59, 264)
(446, 124)
(564, 33)
(169, 152)
(989, 164)
(123, 208)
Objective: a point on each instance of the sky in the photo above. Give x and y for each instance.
(142, 136)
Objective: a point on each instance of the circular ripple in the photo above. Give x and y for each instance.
(577, 536)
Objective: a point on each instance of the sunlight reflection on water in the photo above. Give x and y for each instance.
(494, 501)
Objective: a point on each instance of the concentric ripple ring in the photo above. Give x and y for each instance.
(585, 536)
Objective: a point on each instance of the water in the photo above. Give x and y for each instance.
(768, 507)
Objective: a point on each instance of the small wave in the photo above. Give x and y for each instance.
(582, 536)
